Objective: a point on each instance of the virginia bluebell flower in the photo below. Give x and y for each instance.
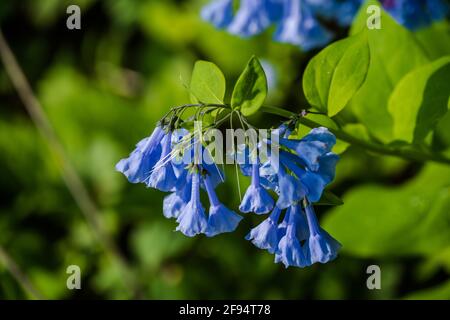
(415, 14)
(221, 219)
(218, 13)
(175, 202)
(163, 176)
(187, 149)
(216, 175)
(290, 188)
(311, 166)
(256, 198)
(316, 181)
(192, 218)
(284, 130)
(138, 166)
(313, 182)
(297, 173)
(301, 224)
(300, 27)
(322, 246)
(298, 22)
(290, 251)
(305, 167)
(265, 235)
(254, 16)
(340, 11)
(318, 142)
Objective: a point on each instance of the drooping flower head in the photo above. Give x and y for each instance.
(286, 180)
(138, 166)
(300, 22)
(415, 14)
(221, 219)
(175, 202)
(306, 166)
(322, 247)
(218, 13)
(300, 27)
(254, 16)
(192, 218)
(256, 198)
(163, 176)
(290, 250)
(340, 11)
(265, 235)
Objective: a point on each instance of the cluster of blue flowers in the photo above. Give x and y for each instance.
(415, 14)
(159, 161)
(298, 22)
(303, 169)
(297, 173)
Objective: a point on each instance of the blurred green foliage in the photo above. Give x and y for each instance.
(105, 86)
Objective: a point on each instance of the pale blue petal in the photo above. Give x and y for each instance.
(265, 235)
(219, 13)
(300, 27)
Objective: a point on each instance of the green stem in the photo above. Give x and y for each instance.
(279, 112)
(11, 265)
(408, 154)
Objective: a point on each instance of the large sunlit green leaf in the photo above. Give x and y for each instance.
(207, 83)
(420, 99)
(334, 76)
(394, 52)
(400, 220)
(435, 39)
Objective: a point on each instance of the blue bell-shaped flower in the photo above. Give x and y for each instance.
(221, 219)
(163, 176)
(265, 235)
(256, 198)
(175, 202)
(218, 12)
(322, 246)
(254, 16)
(192, 219)
(300, 27)
(290, 251)
(138, 166)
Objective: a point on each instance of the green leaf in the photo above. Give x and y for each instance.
(420, 99)
(354, 129)
(394, 52)
(329, 199)
(334, 76)
(165, 244)
(207, 83)
(411, 219)
(357, 130)
(251, 89)
(435, 39)
(439, 292)
(442, 133)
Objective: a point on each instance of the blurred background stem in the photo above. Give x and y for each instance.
(20, 277)
(70, 176)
